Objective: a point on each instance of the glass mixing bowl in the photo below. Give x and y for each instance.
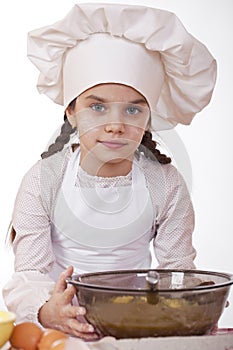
(126, 304)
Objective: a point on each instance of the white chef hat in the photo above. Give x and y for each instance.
(145, 48)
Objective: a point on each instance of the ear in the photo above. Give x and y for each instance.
(71, 117)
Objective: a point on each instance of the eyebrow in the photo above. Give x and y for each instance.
(103, 100)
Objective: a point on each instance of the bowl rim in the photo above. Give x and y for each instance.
(75, 280)
(12, 316)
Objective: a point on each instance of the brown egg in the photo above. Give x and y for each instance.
(26, 336)
(49, 337)
(58, 344)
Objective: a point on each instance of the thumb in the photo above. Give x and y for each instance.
(61, 284)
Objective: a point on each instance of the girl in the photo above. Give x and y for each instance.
(103, 192)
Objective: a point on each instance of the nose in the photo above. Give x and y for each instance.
(114, 127)
(114, 123)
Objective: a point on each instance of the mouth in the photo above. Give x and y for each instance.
(113, 144)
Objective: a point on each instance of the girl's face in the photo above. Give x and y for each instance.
(111, 120)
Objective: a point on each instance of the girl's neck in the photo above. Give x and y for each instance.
(110, 169)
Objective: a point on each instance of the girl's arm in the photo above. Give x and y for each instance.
(25, 293)
(175, 223)
(34, 297)
(31, 294)
(30, 286)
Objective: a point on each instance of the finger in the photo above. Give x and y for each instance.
(80, 327)
(86, 336)
(68, 294)
(69, 271)
(70, 311)
(61, 284)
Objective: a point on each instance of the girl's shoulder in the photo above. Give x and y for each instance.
(166, 177)
(56, 163)
(156, 168)
(48, 171)
(43, 180)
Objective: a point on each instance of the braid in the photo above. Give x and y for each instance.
(61, 140)
(148, 147)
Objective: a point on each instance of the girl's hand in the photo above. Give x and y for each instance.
(59, 313)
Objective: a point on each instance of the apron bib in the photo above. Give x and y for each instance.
(98, 228)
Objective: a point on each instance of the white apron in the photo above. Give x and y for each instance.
(96, 229)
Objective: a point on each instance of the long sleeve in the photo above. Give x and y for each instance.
(26, 292)
(32, 245)
(173, 215)
(31, 286)
(175, 224)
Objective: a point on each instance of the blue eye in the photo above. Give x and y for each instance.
(132, 110)
(97, 107)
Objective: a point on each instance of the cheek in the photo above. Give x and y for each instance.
(88, 137)
(88, 126)
(136, 134)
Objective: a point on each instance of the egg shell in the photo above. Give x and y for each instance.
(26, 336)
(59, 344)
(49, 337)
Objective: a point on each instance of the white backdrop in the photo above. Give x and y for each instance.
(28, 120)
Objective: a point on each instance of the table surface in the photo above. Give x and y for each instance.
(221, 339)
